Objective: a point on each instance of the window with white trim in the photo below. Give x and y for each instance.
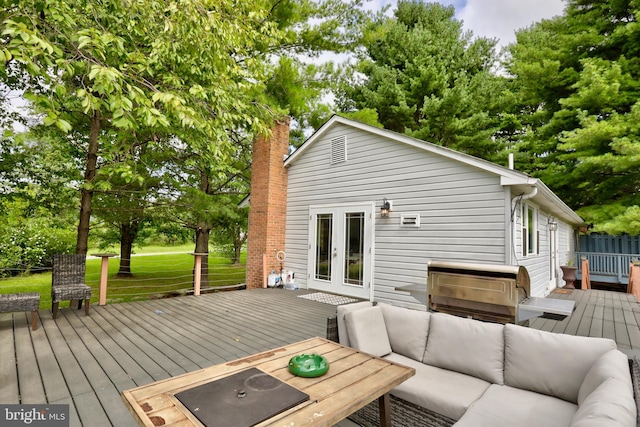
(529, 230)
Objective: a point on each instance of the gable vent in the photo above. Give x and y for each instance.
(339, 149)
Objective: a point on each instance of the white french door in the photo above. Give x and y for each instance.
(340, 249)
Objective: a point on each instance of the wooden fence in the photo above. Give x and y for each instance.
(610, 244)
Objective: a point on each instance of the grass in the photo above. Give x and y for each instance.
(154, 275)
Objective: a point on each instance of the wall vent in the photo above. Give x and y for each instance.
(410, 220)
(339, 149)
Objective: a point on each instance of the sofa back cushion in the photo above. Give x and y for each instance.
(343, 335)
(367, 331)
(611, 404)
(407, 330)
(612, 364)
(467, 346)
(550, 363)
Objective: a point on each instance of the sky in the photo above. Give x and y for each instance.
(494, 18)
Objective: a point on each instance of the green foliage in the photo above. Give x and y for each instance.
(136, 61)
(28, 241)
(36, 174)
(614, 218)
(115, 76)
(298, 89)
(122, 79)
(576, 81)
(425, 77)
(230, 230)
(40, 170)
(365, 115)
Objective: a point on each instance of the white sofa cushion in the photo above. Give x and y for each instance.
(440, 390)
(550, 363)
(343, 335)
(612, 364)
(467, 346)
(407, 330)
(504, 406)
(609, 405)
(367, 331)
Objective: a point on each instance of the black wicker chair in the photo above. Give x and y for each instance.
(406, 414)
(67, 282)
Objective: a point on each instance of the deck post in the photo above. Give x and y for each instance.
(104, 275)
(197, 272)
(619, 268)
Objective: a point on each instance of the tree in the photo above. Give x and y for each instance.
(36, 176)
(200, 196)
(208, 194)
(125, 208)
(103, 69)
(425, 77)
(576, 81)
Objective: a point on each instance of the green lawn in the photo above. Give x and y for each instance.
(154, 276)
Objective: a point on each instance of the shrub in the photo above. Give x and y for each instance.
(31, 244)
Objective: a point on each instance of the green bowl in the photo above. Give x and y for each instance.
(308, 365)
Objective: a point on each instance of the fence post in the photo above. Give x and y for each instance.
(104, 275)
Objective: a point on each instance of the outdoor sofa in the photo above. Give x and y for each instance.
(473, 374)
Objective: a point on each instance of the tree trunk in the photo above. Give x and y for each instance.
(202, 235)
(82, 241)
(238, 240)
(202, 247)
(128, 234)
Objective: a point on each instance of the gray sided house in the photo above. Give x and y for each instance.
(444, 205)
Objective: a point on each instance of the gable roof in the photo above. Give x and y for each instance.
(520, 183)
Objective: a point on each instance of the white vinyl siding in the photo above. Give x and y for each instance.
(462, 208)
(538, 264)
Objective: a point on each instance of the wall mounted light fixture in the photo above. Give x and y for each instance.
(385, 208)
(552, 223)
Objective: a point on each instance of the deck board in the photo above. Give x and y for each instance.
(86, 361)
(31, 387)
(117, 348)
(52, 378)
(9, 392)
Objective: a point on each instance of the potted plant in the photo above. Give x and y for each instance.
(569, 273)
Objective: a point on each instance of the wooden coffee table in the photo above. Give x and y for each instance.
(354, 380)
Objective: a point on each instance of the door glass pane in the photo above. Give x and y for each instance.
(324, 230)
(354, 248)
(532, 229)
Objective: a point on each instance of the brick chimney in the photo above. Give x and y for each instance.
(268, 212)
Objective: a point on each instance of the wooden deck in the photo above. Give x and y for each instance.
(599, 313)
(86, 361)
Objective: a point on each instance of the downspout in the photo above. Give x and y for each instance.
(533, 193)
(520, 198)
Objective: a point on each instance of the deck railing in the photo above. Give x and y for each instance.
(606, 267)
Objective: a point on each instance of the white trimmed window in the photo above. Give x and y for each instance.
(529, 230)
